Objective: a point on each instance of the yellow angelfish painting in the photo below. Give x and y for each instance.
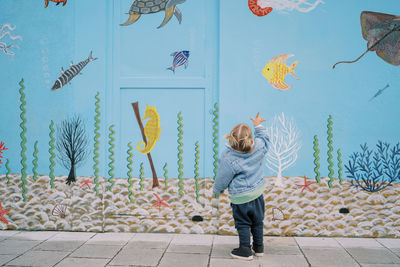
(152, 130)
(276, 70)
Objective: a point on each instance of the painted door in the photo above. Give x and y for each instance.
(142, 69)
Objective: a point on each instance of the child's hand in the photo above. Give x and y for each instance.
(257, 121)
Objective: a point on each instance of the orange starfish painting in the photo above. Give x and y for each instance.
(87, 183)
(160, 202)
(2, 213)
(306, 185)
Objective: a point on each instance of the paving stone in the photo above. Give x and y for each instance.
(396, 251)
(328, 257)
(59, 245)
(82, 262)
(110, 238)
(389, 242)
(11, 246)
(6, 258)
(282, 250)
(226, 239)
(183, 259)
(282, 261)
(373, 255)
(4, 234)
(147, 244)
(279, 241)
(320, 242)
(233, 263)
(72, 236)
(222, 251)
(34, 235)
(200, 249)
(96, 251)
(380, 265)
(135, 256)
(153, 237)
(192, 239)
(358, 242)
(39, 258)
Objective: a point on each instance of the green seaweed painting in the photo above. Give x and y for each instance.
(111, 143)
(130, 170)
(8, 171)
(196, 169)
(340, 168)
(316, 159)
(23, 138)
(35, 161)
(330, 150)
(165, 168)
(180, 152)
(52, 154)
(96, 148)
(215, 139)
(141, 175)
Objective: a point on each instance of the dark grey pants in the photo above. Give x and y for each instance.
(249, 217)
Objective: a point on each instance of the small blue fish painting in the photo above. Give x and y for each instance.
(379, 92)
(180, 58)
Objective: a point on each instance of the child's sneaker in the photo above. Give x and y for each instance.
(242, 253)
(258, 250)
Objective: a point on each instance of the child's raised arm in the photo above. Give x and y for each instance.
(260, 131)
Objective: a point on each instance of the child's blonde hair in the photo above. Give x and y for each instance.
(241, 138)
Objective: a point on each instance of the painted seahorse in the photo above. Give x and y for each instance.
(152, 130)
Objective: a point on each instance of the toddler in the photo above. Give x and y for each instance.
(241, 170)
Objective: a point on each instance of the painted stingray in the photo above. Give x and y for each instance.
(140, 7)
(382, 31)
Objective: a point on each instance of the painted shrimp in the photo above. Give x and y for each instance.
(257, 10)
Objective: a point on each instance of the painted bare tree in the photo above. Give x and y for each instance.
(71, 145)
(284, 145)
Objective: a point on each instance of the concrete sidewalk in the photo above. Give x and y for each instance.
(19, 248)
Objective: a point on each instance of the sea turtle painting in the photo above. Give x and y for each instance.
(140, 7)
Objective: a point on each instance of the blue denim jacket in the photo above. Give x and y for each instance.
(242, 172)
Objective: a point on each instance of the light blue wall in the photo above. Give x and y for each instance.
(229, 47)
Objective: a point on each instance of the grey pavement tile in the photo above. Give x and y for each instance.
(373, 255)
(389, 242)
(282, 250)
(147, 244)
(152, 237)
(111, 238)
(226, 239)
(222, 251)
(325, 242)
(396, 251)
(199, 249)
(329, 257)
(6, 258)
(72, 236)
(59, 245)
(192, 239)
(39, 258)
(141, 257)
(358, 242)
(233, 263)
(380, 265)
(4, 234)
(33, 235)
(183, 259)
(279, 241)
(82, 262)
(11, 246)
(283, 261)
(96, 251)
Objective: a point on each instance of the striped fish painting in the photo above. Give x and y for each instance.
(180, 58)
(71, 72)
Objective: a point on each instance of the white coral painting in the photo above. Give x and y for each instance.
(283, 147)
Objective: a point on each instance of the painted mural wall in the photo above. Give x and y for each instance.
(115, 121)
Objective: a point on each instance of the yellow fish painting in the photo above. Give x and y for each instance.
(276, 70)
